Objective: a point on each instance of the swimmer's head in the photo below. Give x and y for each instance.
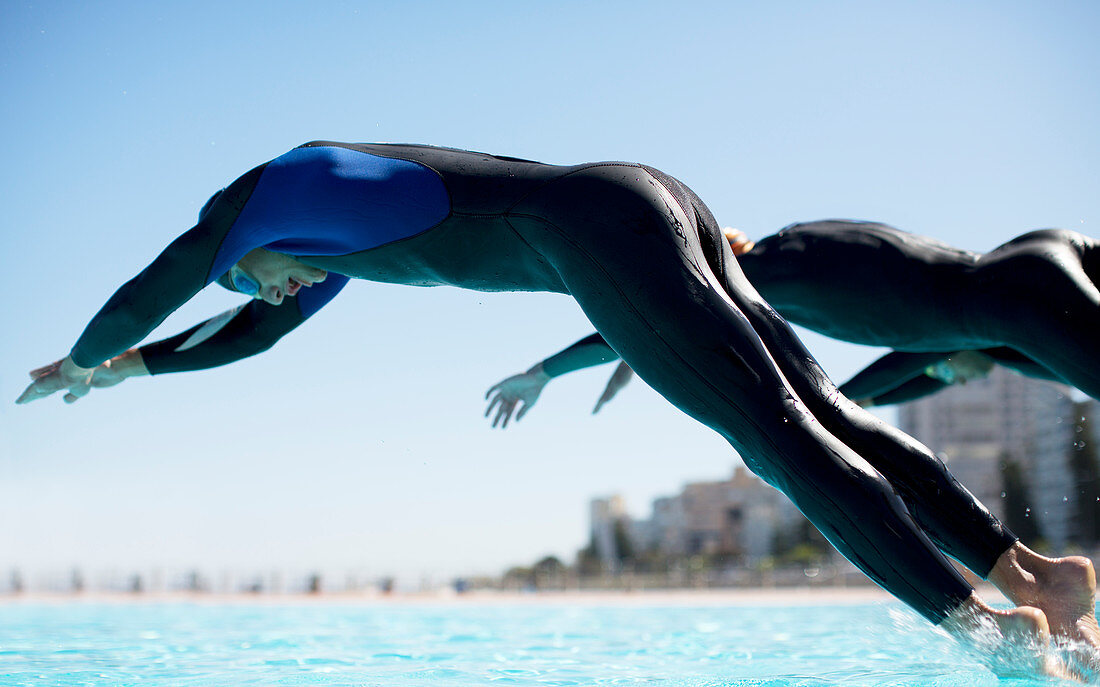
(961, 367)
(739, 240)
(264, 274)
(270, 276)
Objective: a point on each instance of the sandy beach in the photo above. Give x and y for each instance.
(796, 596)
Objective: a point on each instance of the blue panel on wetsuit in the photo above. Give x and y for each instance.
(334, 201)
(313, 298)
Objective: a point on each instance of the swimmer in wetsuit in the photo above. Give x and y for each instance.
(899, 377)
(650, 267)
(950, 314)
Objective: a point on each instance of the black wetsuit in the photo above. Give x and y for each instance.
(1029, 305)
(650, 267)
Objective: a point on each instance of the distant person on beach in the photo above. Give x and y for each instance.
(650, 267)
(1030, 305)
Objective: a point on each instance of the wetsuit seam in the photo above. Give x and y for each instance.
(672, 193)
(474, 215)
(527, 243)
(384, 245)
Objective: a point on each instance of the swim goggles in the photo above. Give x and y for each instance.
(241, 281)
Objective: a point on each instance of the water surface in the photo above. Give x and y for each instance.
(461, 644)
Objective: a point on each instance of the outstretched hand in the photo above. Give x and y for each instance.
(510, 392)
(78, 381)
(619, 378)
(59, 375)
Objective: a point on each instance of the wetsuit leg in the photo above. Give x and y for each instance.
(958, 523)
(632, 257)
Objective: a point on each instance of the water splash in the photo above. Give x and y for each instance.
(1026, 657)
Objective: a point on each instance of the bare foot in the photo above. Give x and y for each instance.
(1067, 594)
(1063, 588)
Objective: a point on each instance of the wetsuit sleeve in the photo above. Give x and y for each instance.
(910, 390)
(888, 373)
(588, 352)
(1014, 360)
(142, 303)
(177, 274)
(239, 333)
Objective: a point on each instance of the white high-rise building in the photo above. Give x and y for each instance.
(605, 514)
(976, 427)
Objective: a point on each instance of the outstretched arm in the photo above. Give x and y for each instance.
(103, 355)
(898, 377)
(238, 333)
(526, 387)
(909, 390)
(132, 312)
(887, 374)
(244, 331)
(187, 265)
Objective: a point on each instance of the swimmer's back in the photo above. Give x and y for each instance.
(862, 282)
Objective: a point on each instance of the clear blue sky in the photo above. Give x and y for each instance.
(358, 441)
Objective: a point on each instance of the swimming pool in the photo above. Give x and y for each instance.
(183, 643)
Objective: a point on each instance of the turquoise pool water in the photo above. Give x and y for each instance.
(460, 644)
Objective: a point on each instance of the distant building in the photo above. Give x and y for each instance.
(605, 515)
(738, 517)
(977, 427)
